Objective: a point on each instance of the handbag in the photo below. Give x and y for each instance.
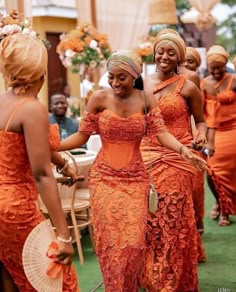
(152, 194)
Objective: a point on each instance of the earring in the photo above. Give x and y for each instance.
(134, 82)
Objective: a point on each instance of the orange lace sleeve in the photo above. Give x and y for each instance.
(89, 124)
(155, 123)
(54, 137)
(211, 111)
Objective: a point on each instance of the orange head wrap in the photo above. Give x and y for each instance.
(217, 53)
(192, 51)
(23, 60)
(128, 60)
(172, 38)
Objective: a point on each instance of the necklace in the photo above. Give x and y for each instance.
(124, 100)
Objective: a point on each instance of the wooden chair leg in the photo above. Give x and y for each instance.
(78, 238)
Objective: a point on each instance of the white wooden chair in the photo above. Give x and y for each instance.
(76, 210)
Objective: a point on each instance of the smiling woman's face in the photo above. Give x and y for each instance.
(217, 69)
(120, 81)
(166, 58)
(190, 62)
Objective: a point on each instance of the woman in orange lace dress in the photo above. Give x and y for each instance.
(118, 182)
(223, 163)
(210, 106)
(171, 257)
(25, 168)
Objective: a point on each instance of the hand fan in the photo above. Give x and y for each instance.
(35, 260)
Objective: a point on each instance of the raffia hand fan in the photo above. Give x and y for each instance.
(36, 261)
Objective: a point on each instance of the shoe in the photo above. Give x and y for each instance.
(224, 221)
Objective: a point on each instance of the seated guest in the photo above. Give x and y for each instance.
(58, 108)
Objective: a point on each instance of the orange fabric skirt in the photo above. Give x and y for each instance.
(223, 170)
(119, 212)
(171, 257)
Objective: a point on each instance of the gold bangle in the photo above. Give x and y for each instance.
(60, 171)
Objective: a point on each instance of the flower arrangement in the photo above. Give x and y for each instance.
(145, 47)
(12, 24)
(83, 46)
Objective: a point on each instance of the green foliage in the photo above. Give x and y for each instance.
(228, 2)
(226, 33)
(182, 6)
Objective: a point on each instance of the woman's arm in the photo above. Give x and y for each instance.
(74, 141)
(63, 164)
(194, 99)
(37, 144)
(170, 142)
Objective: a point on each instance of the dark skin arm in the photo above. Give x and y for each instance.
(30, 115)
(209, 90)
(194, 100)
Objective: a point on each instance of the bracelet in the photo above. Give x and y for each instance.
(60, 171)
(64, 240)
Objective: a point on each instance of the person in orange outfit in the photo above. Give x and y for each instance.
(118, 181)
(25, 168)
(172, 256)
(210, 106)
(223, 163)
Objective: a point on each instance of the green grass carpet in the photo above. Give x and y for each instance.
(218, 274)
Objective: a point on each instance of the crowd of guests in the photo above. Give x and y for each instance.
(169, 128)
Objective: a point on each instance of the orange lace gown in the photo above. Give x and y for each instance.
(171, 257)
(118, 185)
(223, 162)
(18, 211)
(210, 110)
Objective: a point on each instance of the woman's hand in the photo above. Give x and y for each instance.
(65, 253)
(70, 172)
(199, 142)
(210, 146)
(193, 159)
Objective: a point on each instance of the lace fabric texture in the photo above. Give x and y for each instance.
(18, 210)
(118, 185)
(223, 162)
(171, 256)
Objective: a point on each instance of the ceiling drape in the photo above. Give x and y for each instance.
(124, 21)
